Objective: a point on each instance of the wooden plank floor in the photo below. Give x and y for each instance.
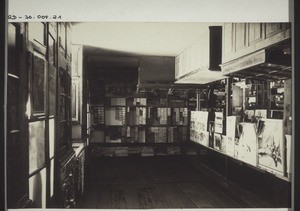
(156, 182)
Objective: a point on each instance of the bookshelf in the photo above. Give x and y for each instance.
(125, 122)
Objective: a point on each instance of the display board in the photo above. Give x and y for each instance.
(230, 132)
(198, 127)
(247, 148)
(271, 145)
(219, 122)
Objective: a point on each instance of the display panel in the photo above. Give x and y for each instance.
(271, 145)
(247, 148)
(230, 133)
(219, 122)
(198, 128)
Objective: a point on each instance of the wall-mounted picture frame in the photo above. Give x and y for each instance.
(37, 81)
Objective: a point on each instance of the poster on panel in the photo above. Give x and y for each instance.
(230, 133)
(247, 150)
(271, 145)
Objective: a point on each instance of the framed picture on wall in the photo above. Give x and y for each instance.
(37, 83)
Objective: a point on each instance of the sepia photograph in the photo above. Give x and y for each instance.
(149, 115)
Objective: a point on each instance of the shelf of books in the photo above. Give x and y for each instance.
(125, 122)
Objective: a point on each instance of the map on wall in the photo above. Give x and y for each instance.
(247, 148)
(271, 145)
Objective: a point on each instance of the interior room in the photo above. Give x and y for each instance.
(149, 115)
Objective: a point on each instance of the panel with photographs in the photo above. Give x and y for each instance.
(198, 127)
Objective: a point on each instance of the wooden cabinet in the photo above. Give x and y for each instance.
(39, 111)
(199, 62)
(240, 39)
(194, 57)
(255, 33)
(240, 36)
(17, 126)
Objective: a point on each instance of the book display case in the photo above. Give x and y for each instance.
(125, 122)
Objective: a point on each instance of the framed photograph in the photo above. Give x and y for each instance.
(37, 83)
